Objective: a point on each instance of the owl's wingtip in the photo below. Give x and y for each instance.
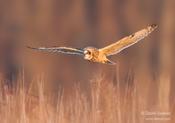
(29, 47)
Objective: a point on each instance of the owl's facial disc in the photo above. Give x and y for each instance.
(87, 55)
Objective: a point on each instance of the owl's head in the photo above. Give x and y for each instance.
(90, 52)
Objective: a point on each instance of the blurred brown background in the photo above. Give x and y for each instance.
(81, 23)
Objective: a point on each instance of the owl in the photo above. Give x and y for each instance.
(101, 55)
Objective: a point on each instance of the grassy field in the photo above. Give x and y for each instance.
(104, 102)
(72, 89)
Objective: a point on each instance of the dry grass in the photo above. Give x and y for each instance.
(104, 103)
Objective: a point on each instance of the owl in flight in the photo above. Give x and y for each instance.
(100, 55)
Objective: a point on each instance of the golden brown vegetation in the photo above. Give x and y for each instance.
(80, 23)
(104, 103)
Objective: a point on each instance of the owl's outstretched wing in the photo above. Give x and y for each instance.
(66, 50)
(127, 41)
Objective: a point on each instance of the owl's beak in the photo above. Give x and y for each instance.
(87, 57)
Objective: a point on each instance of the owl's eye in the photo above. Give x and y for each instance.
(87, 52)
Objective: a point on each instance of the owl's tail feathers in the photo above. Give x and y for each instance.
(110, 62)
